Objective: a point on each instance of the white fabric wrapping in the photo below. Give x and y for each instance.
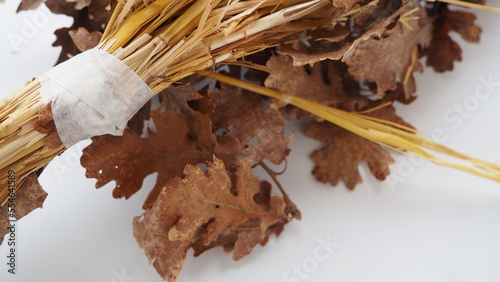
(92, 94)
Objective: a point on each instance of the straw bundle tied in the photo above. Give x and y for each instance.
(164, 41)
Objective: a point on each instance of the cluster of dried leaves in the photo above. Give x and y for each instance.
(203, 144)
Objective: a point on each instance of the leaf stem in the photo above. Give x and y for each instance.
(291, 207)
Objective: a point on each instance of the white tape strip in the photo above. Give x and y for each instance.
(92, 94)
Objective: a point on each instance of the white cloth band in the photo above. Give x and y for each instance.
(92, 94)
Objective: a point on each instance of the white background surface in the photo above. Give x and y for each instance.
(437, 225)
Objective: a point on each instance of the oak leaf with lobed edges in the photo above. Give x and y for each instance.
(128, 159)
(340, 158)
(204, 210)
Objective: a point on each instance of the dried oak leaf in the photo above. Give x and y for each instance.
(443, 51)
(389, 13)
(29, 196)
(80, 4)
(368, 14)
(260, 130)
(321, 83)
(339, 7)
(400, 94)
(201, 211)
(304, 83)
(95, 10)
(177, 98)
(64, 39)
(387, 61)
(45, 125)
(340, 158)
(83, 39)
(260, 58)
(174, 98)
(203, 105)
(128, 159)
(92, 18)
(242, 243)
(29, 5)
(137, 123)
(100, 10)
(336, 33)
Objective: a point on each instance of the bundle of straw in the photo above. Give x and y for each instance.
(163, 41)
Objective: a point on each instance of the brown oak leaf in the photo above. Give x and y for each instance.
(28, 197)
(29, 5)
(137, 123)
(128, 159)
(203, 105)
(340, 158)
(389, 13)
(80, 4)
(83, 39)
(100, 10)
(92, 17)
(386, 61)
(443, 51)
(45, 125)
(322, 84)
(241, 244)
(174, 98)
(246, 119)
(177, 98)
(260, 58)
(201, 211)
(336, 33)
(65, 8)
(340, 7)
(301, 82)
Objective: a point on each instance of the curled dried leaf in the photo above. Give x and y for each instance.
(388, 13)
(208, 209)
(386, 61)
(28, 197)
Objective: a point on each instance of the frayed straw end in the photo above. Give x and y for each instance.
(399, 138)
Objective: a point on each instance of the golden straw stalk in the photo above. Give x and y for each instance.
(388, 134)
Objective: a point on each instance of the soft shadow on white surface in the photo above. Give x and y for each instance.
(433, 224)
